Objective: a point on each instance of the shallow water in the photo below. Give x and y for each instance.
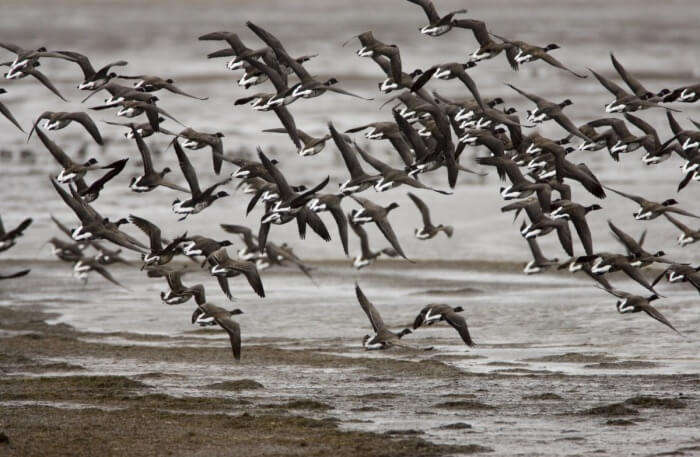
(513, 318)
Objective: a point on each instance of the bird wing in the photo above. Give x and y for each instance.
(187, 169)
(477, 27)
(234, 334)
(342, 223)
(145, 152)
(682, 227)
(423, 208)
(253, 276)
(459, 323)
(102, 271)
(555, 63)
(655, 314)
(349, 157)
(314, 221)
(375, 163)
(17, 274)
(634, 198)
(680, 211)
(636, 275)
(44, 115)
(613, 88)
(78, 207)
(429, 9)
(631, 81)
(176, 90)
(6, 112)
(388, 232)
(85, 120)
(58, 153)
(115, 169)
(374, 317)
(150, 229)
(630, 244)
(471, 85)
(282, 185)
(288, 122)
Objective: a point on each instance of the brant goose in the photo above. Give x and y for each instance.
(635, 303)
(383, 338)
(223, 318)
(199, 199)
(428, 230)
(433, 313)
(55, 120)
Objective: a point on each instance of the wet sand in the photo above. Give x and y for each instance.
(181, 393)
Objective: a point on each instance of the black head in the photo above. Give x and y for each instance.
(331, 81)
(663, 92)
(222, 194)
(659, 254)
(500, 130)
(405, 332)
(41, 49)
(121, 221)
(652, 297)
(495, 102)
(569, 150)
(166, 170)
(416, 72)
(219, 134)
(90, 162)
(112, 75)
(469, 64)
(175, 202)
(225, 243)
(594, 207)
(670, 202)
(566, 102)
(551, 47)
(169, 81)
(393, 205)
(233, 312)
(153, 99)
(510, 110)
(458, 309)
(2, 90)
(274, 161)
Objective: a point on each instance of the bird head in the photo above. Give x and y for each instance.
(566, 102)
(594, 207)
(226, 243)
(405, 331)
(670, 202)
(391, 206)
(458, 309)
(90, 162)
(222, 194)
(551, 47)
(219, 134)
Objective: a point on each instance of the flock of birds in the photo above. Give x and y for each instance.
(428, 131)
